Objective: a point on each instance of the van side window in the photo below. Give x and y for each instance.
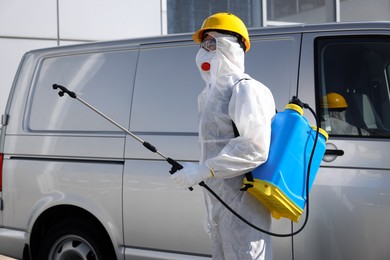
(271, 52)
(102, 79)
(166, 90)
(353, 85)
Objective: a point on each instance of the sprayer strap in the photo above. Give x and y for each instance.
(248, 175)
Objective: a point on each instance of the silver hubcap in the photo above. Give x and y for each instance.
(72, 247)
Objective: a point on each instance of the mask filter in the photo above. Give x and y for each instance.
(205, 66)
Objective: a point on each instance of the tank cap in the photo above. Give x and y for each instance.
(321, 131)
(295, 100)
(295, 107)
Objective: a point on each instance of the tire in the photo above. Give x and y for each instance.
(74, 239)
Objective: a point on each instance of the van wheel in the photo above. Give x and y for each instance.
(75, 239)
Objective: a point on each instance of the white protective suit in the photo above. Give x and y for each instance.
(336, 123)
(251, 106)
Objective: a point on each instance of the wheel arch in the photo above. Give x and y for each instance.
(58, 213)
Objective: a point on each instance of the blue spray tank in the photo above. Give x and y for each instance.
(281, 182)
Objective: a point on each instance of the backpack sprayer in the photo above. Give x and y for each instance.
(276, 183)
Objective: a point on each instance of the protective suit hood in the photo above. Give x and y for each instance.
(226, 63)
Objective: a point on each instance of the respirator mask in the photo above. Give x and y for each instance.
(220, 56)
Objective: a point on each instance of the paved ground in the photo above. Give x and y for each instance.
(5, 258)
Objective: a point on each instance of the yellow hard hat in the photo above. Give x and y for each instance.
(225, 22)
(334, 100)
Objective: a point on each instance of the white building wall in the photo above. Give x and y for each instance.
(107, 20)
(25, 18)
(27, 25)
(363, 10)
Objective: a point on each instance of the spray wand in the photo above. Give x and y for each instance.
(175, 165)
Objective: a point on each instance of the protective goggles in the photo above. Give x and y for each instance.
(209, 43)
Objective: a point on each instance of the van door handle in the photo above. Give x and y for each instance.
(335, 152)
(331, 153)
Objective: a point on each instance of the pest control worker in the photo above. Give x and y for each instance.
(230, 96)
(337, 123)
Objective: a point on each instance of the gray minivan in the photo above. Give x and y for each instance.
(74, 185)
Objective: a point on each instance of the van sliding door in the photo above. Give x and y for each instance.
(350, 201)
(274, 60)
